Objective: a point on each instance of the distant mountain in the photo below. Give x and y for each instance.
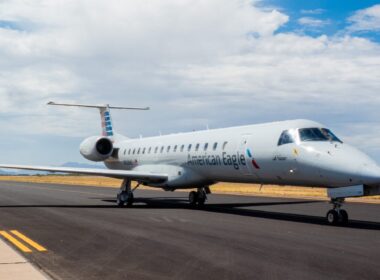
(4, 172)
(14, 172)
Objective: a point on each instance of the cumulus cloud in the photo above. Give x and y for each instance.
(196, 63)
(365, 20)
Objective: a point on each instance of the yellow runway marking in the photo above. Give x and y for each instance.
(15, 242)
(35, 245)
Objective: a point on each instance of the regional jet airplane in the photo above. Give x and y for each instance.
(296, 152)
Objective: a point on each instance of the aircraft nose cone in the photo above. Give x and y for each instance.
(370, 174)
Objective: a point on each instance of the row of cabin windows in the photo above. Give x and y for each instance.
(175, 148)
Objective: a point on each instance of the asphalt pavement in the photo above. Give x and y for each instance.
(233, 237)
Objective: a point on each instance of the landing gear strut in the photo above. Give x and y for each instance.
(337, 215)
(199, 197)
(125, 196)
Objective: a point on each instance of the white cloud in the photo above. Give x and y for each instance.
(313, 12)
(365, 20)
(312, 22)
(196, 63)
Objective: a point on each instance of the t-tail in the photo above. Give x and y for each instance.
(105, 115)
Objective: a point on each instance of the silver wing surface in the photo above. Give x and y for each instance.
(119, 174)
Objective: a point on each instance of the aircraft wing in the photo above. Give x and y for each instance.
(119, 174)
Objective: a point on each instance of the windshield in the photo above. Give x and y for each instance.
(317, 134)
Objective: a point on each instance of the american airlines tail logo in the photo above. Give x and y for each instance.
(107, 128)
(254, 163)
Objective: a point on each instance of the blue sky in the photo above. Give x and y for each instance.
(191, 62)
(332, 13)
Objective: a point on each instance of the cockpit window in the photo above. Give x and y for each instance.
(332, 137)
(317, 134)
(285, 138)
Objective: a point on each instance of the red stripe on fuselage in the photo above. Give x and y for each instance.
(255, 164)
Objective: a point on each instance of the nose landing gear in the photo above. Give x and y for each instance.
(337, 215)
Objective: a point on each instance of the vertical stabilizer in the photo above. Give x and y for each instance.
(107, 126)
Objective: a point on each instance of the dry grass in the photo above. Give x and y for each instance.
(243, 189)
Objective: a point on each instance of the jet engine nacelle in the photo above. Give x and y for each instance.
(96, 148)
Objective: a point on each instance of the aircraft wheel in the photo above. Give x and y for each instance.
(130, 199)
(332, 217)
(201, 200)
(343, 216)
(193, 197)
(120, 202)
(123, 199)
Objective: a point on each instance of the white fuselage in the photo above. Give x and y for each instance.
(248, 154)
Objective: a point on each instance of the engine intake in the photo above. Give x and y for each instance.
(96, 148)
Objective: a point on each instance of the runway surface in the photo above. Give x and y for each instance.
(234, 237)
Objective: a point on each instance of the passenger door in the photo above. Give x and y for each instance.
(285, 164)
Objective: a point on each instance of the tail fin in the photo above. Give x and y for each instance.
(107, 126)
(105, 115)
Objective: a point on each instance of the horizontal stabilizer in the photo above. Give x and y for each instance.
(97, 106)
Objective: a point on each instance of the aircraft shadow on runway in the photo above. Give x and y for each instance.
(237, 209)
(225, 208)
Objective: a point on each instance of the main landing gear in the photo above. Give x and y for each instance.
(337, 215)
(125, 196)
(199, 197)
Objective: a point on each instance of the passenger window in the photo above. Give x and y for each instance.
(215, 146)
(162, 149)
(134, 151)
(175, 148)
(285, 138)
(205, 147)
(138, 151)
(156, 150)
(197, 147)
(143, 151)
(129, 151)
(225, 145)
(189, 148)
(168, 149)
(149, 150)
(182, 147)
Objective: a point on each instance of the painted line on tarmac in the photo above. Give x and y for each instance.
(15, 242)
(26, 239)
(18, 240)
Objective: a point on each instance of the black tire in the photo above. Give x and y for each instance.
(332, 217)
(119, 202)
(343, 217)
(130, 200)
(201, 200)
(193, 198)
